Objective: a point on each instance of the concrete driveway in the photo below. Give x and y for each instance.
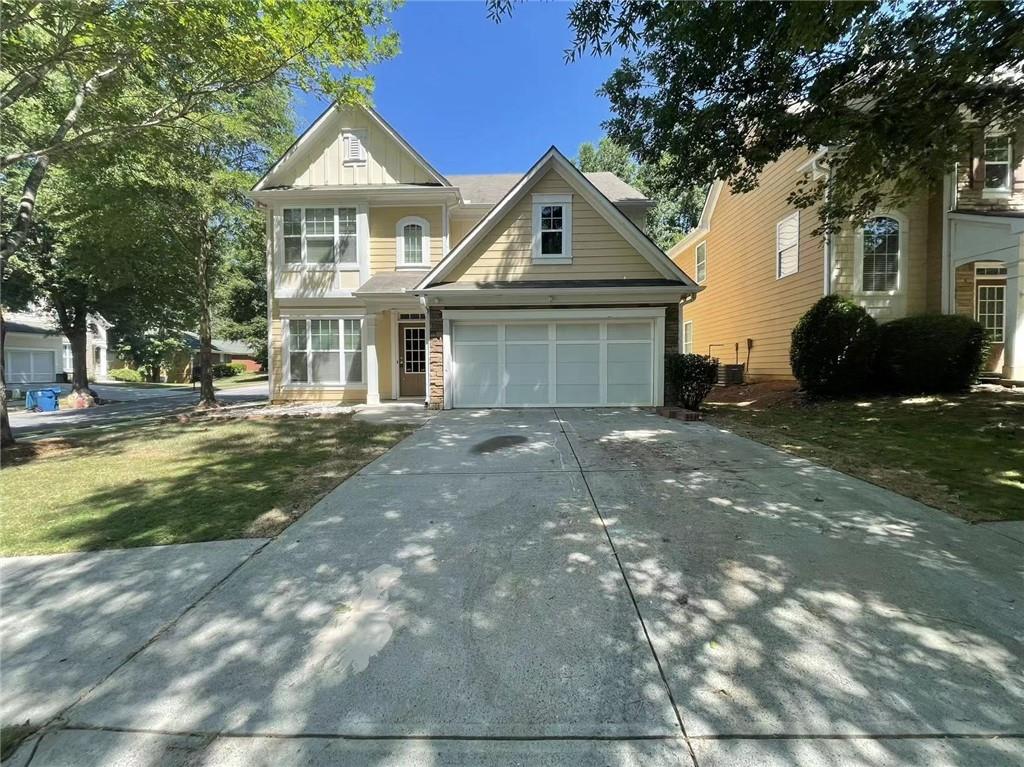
(585, 587)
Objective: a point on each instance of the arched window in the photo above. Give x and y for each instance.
(881, 254)
(412, 238)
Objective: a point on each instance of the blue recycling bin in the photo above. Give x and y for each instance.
(43, 400)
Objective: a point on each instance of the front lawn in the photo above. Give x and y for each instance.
(245, 379)
(170, 482)
(964, 454)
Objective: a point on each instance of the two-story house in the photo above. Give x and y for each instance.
(389, 280)
(957, 247)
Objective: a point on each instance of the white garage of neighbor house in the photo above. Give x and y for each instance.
(388, 280)
(35, 352)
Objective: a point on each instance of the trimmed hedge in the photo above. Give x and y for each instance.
(689, 379)
(125, 374)
(228, 369)
(931, 353)
(833, 347)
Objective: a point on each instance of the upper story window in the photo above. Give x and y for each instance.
(354, 147)
(880, 259)
(998, 165)
(320, 237)
(552, 228)
(787, 245)
(412, 242)
(701, 252)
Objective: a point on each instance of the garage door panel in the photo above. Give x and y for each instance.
(629, 331)
(629, 373)
(577, 331)
(477, 380)
(577, 374)
(526, 371)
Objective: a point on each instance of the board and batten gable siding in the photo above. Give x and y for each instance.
(322, 162)
(383, 236)
(742, 298)
(598, 251)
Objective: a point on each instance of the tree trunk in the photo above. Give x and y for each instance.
(154, 373)
(207, 397)
(79, 338)
(6, 435)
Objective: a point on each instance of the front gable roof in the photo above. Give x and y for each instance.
(555, 160)
(319, 131)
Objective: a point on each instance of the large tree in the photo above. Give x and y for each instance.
(675, 210)
(80, 73)
(240, 300)
(718, 90)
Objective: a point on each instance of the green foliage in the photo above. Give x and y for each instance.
(127, 375)
(833, 347)
(227, 369)
(718, 90)
(931, 353)
(238, 367)
(240, 298)
(689, 379)
(676, 210)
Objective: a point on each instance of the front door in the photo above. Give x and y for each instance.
(412, 359)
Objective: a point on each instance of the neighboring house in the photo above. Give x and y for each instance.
(958, 247)
(388, 280)
(35, 352)
(179, 366)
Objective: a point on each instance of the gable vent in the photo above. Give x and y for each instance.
(355, 147)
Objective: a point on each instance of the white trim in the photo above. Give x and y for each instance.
(778, 249)
(400, 339)
(287, 383)
(400, 242)
(555, 160)
(540, 201)
(393, 319)
(514, 315)
(858, 256)
(298, 147)
(304, 265)
(368, 369)
(354, 138)
(997, 192)
(999, 287)
(703, 225)
(682, 338)
(697, 264)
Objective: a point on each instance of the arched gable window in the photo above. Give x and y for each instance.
(881, 254)
(412, 238)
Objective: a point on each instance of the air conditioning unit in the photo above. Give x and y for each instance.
(729, 375)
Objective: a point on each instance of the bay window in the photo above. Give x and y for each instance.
(320, 237)
(325, 351)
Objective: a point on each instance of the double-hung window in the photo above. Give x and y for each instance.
(787, 246)
(320, 237)
(412, 239)
(702, 262)
(552, 228)
(325, 351)
(688, 337)
(880, 260)
(998, 165)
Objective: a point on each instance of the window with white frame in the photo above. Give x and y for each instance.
(354, 147)
(412, 240)
(68, 357)
(998, 165)
(701, 252)
(552, 227)
(325, 351)
(787, 245)
(320, 237)
(880, 259)
(688, 337)
(990, 311)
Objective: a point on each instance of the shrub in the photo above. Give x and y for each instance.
(238, 367)
(833, 347)
(931, 353)
(689, 378)
(225, 370)
(125, 374)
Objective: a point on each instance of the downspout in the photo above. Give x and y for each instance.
(948, 204)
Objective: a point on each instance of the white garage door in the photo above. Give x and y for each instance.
(30, 366)
(568, 363)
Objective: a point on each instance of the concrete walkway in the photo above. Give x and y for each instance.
(585, 587)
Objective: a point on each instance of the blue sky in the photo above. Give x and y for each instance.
(477, 97)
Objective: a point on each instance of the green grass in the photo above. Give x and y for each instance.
(170, 482)
(964, 454)
(246, 379)
(144, 384)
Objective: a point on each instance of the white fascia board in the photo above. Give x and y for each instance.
(649, 312)
(534, 296)
(582, 186)
(381, 195)
(703, 225)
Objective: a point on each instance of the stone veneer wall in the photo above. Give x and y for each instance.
(436, 399)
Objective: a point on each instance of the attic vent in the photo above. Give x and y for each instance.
(355, 148)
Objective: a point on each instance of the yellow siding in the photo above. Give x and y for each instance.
(309, 283)
(459, 228)
(742, 299)
(383, 242)
(388, 162)
(598, 251)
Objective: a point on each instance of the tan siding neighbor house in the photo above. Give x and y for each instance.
(388, 280)
(957, 247)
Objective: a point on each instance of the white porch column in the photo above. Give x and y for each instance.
(370, 358)
(1013, 351)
